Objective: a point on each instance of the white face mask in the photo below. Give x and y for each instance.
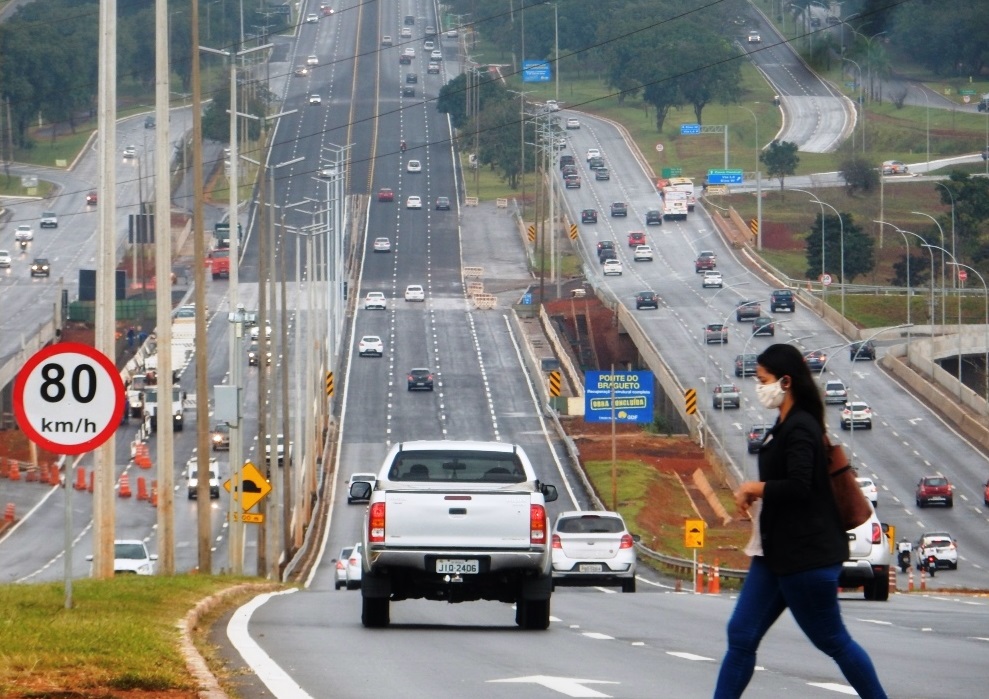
(770, 395)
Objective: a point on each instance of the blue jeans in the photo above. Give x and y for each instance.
(812, 598)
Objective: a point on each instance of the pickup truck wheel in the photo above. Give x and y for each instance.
(628, 585)
(532, 615)
(877, 589)
(374, 612)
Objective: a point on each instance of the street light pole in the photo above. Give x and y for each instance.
(985, 289)
(907, 244)
(758, 180)
(944, 286)
(841, 225)
(931, 253)
(959, 329)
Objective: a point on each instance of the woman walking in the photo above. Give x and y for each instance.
(798, 544)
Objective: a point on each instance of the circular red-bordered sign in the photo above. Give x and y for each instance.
(69, 398)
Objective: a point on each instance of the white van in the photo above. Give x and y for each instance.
(192, 475)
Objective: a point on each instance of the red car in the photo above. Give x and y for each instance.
(91, 199)
(985, 495)
(385, 194)
(636, 238)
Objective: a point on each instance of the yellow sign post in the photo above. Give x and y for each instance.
(693, 538)
(253, 488)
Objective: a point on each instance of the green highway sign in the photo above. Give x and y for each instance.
(672, 172)
(966, 92)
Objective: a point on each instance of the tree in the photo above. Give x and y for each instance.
(780, 159)
(858, 247)
(719, 80)
(920, 271)
(859, 174)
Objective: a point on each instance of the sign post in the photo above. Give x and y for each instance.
(253, 488)
(693, 538)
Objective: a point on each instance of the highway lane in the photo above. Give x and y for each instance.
(908, 439)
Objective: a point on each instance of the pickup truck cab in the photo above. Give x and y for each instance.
(456, 521)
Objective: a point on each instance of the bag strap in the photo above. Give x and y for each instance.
(841, 471)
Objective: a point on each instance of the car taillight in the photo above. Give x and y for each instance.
(376, 523)
(557, 544)
(877, 533)
(352, 561)
(537, 524)
(341, 565)
(627, 542)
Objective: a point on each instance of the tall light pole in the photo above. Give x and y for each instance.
(907, 244)
(985, 289)
(952, 197)
(861, 101)
(944, 289)
(959, 331)
(841, 225)
(758, 180)
(931, 253)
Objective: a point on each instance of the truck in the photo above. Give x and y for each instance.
(674, 204)
(686, 185)
(219, 263)
(456, 521)
(150, 397)
(135, 392)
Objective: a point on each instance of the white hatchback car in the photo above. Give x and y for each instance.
(593, 548)
(593, 153)
(643, 253)
(371, 346)
(712, 278)
(436, 55)
(5, 258)
(409, 51)
(382, 245)
(413, 202)
(315, 99)
(612, 267)
(375, 300)
(413, 166)
(130, 556)
(354, 564)
(869, 490)
(340, 575)
(415, 292)
(312, 61)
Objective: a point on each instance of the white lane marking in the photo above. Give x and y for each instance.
(278, 682)
(840, 688)
(689, 656)
(598, 636)
(570, 686)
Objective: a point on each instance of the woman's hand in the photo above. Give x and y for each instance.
(747, 493)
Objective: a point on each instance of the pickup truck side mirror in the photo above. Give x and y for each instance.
(360, 490)
(549, 492)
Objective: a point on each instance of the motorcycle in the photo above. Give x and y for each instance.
(403, 146)
(903, 560)
(930, 565)
(23, 244)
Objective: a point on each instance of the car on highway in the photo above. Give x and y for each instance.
(301, 71)
(755, 436)
(835, 391)
(745, 364)
(371, 478)
(408, 91)
(433, 68)
(747, 310)
(386, 40)
(619, 208)
(411, 78)
(654, 218)
(414, 166)
(606, 254)
(571, 181)
(594, 548)
(436, 55)
(856, 414)
(312, 61)
(602, 174)
(255, 332)
(405, 60)
(370, 346)
(869, 560)
(420, 379)
(375, 300)
(895, 167)
(597, 163)
(91, 198)
(130, 152)
(754, 37)
(386, 194)
(40, 267)
(712, 279)
(612, 267)
(704, 263)
(593, 153)
(589, 216)
(605, 245)
(782, 300)
(726, 395)
(442, 203)
(862, 350)
(941, 545)
(354, 566)
(643, 253)
(816, 361)
(382, 244)
(24, 232)
(327, 172)
(312, 18)
(254, 354)
(573, 123)
(715, 332)
(279, 449)
(340, 567)
(315, 99)
(646, 299)
(567, 159)
(636, 238)
(5, 259)
(413, 202)
(49, 219)
(566, 170)
(869, 490)
(409, 51)
(415, 292)
(131, 557)
(192, 478)
(219, 437)
(763, 325)
(934, 490)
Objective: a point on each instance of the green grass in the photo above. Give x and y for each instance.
(120, 633)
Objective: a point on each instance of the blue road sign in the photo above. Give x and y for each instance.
(536, 72)
(690, 129)
(724, 177)
(527, 299)
(632, 392)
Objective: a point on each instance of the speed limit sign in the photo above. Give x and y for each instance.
(826, 279)
(68, 398)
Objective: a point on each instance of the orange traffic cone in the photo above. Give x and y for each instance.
(910, 581)
(3, 469)
(80, 483)
(154, 493)
(700, 585)
(892, 579)
(923, 582)
(8, 513)
(715, 580)
(54, 475)
(124, 490)
(14, 470)
(31, 475)
(92, 481)
(142, 488)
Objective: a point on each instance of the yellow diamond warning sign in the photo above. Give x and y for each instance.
(252, 486)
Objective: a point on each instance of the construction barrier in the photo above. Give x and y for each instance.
(475, 288)
(473, 271)
(8, 513)
(715, 587)
(54, 475)
(470, 201)
(892, 579)
(501, 202)
(485, 301)
(910, 581)
(124, 490)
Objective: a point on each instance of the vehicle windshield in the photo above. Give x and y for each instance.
(590, 524)
(460, 467)
(132, 552)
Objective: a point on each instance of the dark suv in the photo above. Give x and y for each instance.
(862, 350)
(654, 218)
(747, 310)
(420, 380)
(589, 216)
(646, 299)
(782, 300)
(619, 209)
(566, 160)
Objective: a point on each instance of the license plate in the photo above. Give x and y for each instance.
(590, 568)
(447, 565)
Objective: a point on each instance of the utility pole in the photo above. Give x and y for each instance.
(106, 306)
(263, 233)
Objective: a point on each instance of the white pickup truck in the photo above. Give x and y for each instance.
(456, 522)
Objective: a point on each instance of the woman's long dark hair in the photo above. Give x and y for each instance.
(786, 360)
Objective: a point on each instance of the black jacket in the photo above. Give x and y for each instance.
(799, 522)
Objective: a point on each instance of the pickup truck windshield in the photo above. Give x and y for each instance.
(462, 467)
